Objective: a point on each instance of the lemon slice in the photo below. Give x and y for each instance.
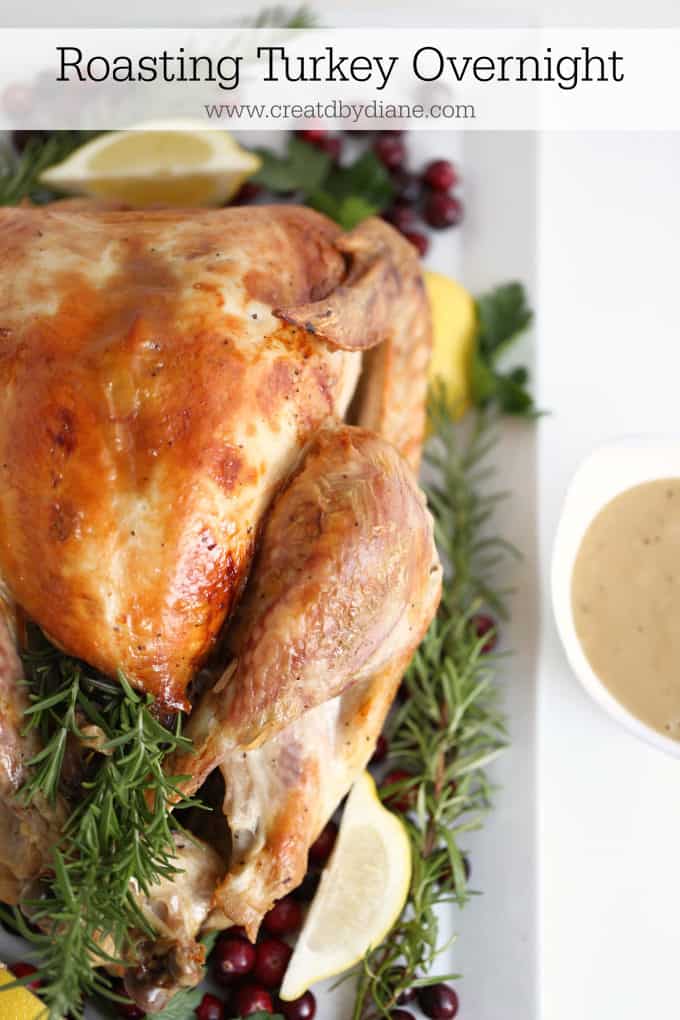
(362, 892)
(18, 1003)
(454, 326)
(171, 163)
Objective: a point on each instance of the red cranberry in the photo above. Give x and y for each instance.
(442, 210)
(284, 917)
(483, 624)
(236, 931)
(312, 135)
(398, 800)
(130, 1010)
(402, 217)
(439, 1002)
(253, 999)
(406, 187)
(440, 175)
(408, 995)
(401, 1014)
(381, 749)
(210, 1008)
(21, 970)
(390, 150)
(306, 891)
(232, 959)
(418, 240)
(248, 192)
(331, 145)
(303, 1008)
(271, 960)
(322, 847)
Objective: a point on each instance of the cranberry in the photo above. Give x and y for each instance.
(233, 958)
(322, 847)
(439, 1002)
(390, 150)
(418, 240)
(210, 1008)
(130, 1010)
(303, 1008)
(402, 217)
(401, 1014)
(398, 800)
(253, 999)
(442, 210)
(332, 146)
(406, 187)
(483, 624)
(306, 891)
(21, 970)
(408, 995)
(284, 917)
(271, 960)
(440, 175)
(236, 931)
(312, 135)
(246, 193)
(381, 749)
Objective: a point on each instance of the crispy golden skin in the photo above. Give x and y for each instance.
(150, 404)
(152, 399)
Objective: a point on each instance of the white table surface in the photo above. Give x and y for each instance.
(609, 363)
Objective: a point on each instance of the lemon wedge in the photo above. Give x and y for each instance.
(454, 326)
(171, 163)
(18, 1003)
(362, 892)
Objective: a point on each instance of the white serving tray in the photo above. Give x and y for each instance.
(496, 945)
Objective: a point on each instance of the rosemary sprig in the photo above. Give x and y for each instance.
(450, 726)
(20, 173)
(118, 839)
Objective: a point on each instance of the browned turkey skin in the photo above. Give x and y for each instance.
(175, 469)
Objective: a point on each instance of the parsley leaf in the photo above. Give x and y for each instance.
(352, 193)
(303, 168)
(182, 1006)
(348, 194)
(502, 315)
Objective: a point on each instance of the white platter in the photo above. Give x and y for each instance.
(496, 947)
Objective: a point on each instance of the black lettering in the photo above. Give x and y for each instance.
(63, 64)
(418, 61)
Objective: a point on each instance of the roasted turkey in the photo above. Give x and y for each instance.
(210, 423)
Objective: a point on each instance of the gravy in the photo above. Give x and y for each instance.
(626, 601)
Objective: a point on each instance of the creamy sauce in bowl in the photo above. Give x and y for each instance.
(625, 593)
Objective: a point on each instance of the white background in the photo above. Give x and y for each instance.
(608, 350)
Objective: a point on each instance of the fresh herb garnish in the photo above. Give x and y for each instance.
(351, 193)
(118, 839)
(283, 17)
(503, 314)
(303, 168)
(20, 174)
(348, 194)
(450, 727)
